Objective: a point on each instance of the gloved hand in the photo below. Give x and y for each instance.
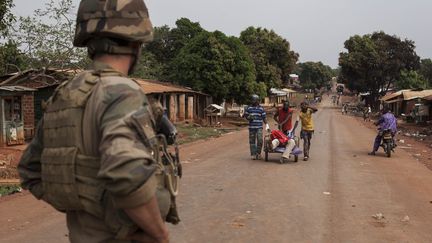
(267, 127)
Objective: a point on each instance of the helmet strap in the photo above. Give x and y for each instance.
(114, 47)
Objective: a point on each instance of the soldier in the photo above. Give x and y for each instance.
(96, 154)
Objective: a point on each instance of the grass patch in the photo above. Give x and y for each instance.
(9, 189)
(190, 133)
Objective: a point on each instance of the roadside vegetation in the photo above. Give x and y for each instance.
(191, 133)
(9, 189)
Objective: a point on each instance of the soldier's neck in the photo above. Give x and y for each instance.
(119, 63)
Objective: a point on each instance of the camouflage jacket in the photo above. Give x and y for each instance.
(126, 166)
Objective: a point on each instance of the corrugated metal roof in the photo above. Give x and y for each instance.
(289, 90)
(428, 98)
(393, 95)
(17, 89)
(156, 87)
(410, 95)
(278, 92)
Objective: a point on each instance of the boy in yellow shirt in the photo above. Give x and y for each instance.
(307, 127)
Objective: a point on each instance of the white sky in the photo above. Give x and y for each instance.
(316, 29)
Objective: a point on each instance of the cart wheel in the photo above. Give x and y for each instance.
(266, 155)
(295, 158)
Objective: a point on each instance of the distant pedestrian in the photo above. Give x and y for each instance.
(367, 112)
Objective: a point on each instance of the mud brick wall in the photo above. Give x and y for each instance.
(29, 115)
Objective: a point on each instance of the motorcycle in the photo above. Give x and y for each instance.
(387, 142)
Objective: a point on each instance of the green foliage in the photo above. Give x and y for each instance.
(9, 189)
(271, 53)
(374, 62)
(426, 70)
(46, 37)
(148, 67)
(11, 58)
(218, 65)
(411, 80)
(188, 133)
(167, 45)
(6, 17)
(314, 75)
(184, 32)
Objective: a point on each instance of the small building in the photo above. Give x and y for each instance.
(277, 96)
(293, 81)
(213, 113)
(180, 103)
(23, 94)
(30, 89)
(14, 109)
(291, 94)
(409, 101)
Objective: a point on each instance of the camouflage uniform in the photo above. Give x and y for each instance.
(89, 158)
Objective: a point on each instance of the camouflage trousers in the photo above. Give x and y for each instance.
(255, 141)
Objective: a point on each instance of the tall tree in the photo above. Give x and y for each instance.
(167, 44)
(6, 17)
(11, 58)
(271, 53)
(373, 63)
(411, 80)
(46, 37)
(314, 75)
(426, 70)
(149, 67)
(218, 65)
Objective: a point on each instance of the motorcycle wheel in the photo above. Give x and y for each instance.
(388, 149)
(295, 158)
(266, 156)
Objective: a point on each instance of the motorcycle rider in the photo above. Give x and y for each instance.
(387, 121)
(283, 117)
(256, 115)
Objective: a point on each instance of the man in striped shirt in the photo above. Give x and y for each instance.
(256, 115)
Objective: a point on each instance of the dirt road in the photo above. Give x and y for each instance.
(226, 197)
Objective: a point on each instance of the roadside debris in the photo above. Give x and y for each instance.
(401, 141)
(406, 219)
(238, 222)
(326, 193)
(378, 216)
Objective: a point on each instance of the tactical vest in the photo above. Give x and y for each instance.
(69, 177)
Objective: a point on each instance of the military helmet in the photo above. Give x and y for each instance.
(126, 20)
